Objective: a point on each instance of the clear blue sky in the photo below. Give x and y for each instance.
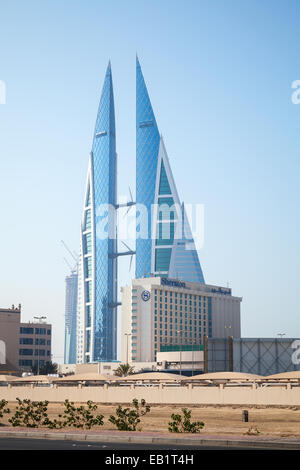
(219, 74)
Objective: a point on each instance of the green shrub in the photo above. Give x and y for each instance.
(80, 417)
(31, 414)
(3, 410)
(127, 419)
(183, 423)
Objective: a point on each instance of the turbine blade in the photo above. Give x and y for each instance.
(126, 246)
(130, 194)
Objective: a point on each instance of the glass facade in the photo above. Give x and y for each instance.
(99, 241)
(167, 254)
(147, 147)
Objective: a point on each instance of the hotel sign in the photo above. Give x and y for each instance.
(169, 282)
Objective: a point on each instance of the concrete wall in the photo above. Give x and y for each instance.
(228, 395)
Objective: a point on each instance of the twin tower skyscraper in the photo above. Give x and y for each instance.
(164, 242)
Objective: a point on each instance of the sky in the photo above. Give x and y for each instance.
(219, 74)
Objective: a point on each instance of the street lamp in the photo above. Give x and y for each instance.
(226, 327)
(127, 334)
(193, 342)
(281, 334)
(38, 345)
(180, 331)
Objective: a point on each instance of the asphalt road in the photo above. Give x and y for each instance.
(12, 443)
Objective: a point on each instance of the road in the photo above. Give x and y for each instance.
(12, 443)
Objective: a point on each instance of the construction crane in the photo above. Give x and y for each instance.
(73, 255)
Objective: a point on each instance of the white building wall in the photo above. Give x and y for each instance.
(126, 323)
(143, 322)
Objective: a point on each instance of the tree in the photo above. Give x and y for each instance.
(123, 370)
(183, 423)
(48, 368)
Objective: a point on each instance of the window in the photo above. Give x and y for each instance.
(26, 341)
(41, 341)
(25, 362)
(87, 243)
(39, 352)
(40, 331)
(88, 288)
(87, 219)
(88, 316)
(25, 352)
(88, 266)
(26, 331)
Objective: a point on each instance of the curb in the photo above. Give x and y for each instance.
(154, 440)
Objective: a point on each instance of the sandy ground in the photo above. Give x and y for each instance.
(270, 421)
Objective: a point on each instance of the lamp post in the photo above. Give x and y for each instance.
(193, 341)
(226, 327)
(281, 334)
(180, 331)
(127, 334)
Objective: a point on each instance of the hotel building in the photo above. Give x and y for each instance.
(159, 312)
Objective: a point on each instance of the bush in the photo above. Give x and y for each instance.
(31, 414)
(128, 418)
(34, 414)
(3, 410)
(80, 417)
(183, 423)
(252, 431)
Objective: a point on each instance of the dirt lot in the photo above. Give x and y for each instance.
(272, 421)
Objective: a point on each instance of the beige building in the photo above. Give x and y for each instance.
(159, 312)
(22, 345)
(9, 339)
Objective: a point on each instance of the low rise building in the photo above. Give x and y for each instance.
(34, 345)
(9, 339)
(23, 345)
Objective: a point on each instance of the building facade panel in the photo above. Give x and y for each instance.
(266, 356)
